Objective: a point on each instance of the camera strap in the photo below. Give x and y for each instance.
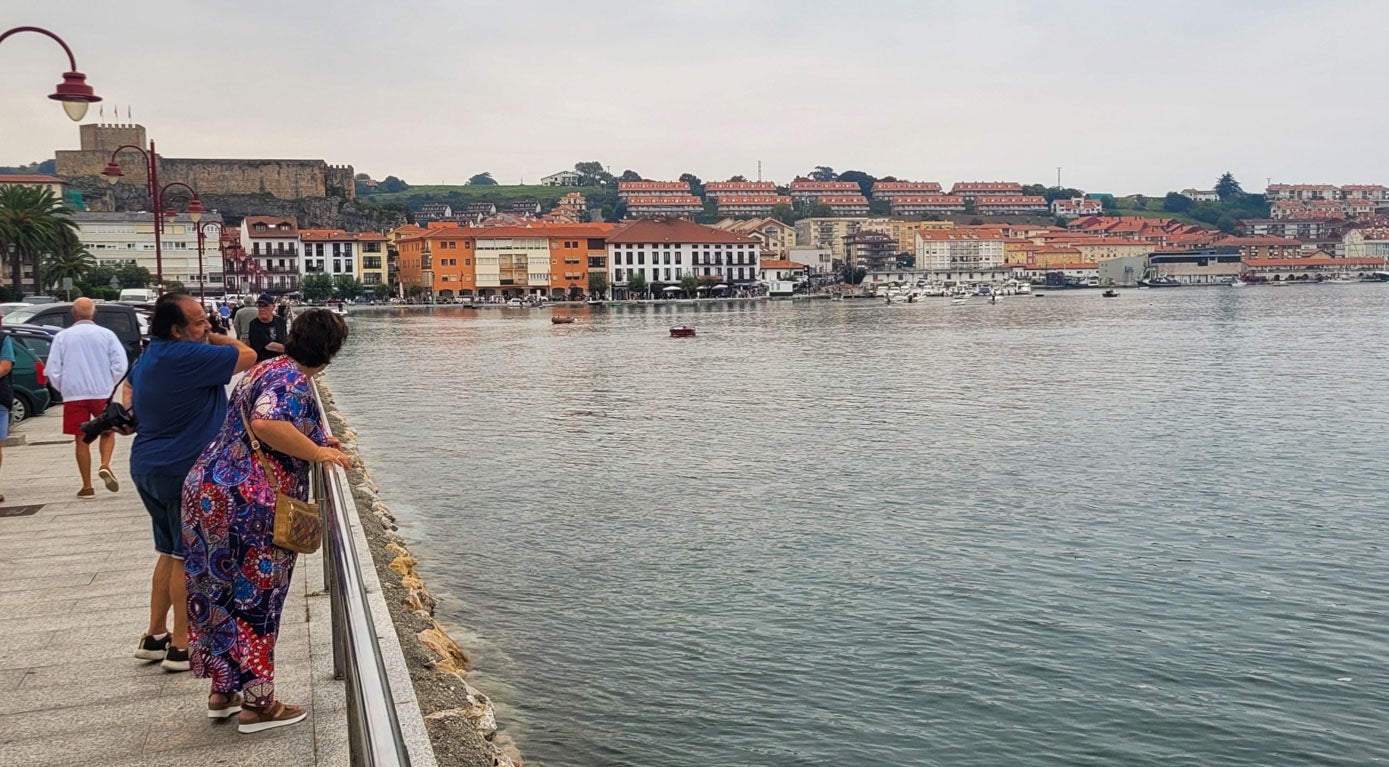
(117, 387)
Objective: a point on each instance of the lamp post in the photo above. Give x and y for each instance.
(73, 91)
(157, 199)
(202, 238)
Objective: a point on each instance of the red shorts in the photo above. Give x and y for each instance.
(78, 412)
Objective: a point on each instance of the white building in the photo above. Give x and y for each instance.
(921, 204)
(666, 250)
(271, 245)
(328, 251)
(512, 260)
(117, 239)
(780, 277)
(563, 178)
(1077, 207)
(949, 250)
(1200, 195)
(815, 260)
(663, 205)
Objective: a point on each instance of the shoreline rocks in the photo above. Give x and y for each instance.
(461, 721)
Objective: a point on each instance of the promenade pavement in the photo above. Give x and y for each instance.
(74, 600)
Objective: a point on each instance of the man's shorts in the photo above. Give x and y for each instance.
(79, 411)
(4, 423)
(163, 497)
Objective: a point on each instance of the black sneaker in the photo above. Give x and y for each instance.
(175, 659)
(151, 648)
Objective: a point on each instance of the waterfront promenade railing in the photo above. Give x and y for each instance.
(374, 728)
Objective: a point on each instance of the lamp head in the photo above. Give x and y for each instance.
(75, 94)
(112, 172)
(195, 210)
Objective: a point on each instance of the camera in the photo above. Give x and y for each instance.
(114, 417)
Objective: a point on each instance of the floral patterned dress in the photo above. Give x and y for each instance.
(237, 578)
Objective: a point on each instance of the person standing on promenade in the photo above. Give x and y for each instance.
(267, 331)
(237, 577)
(84, 363)
(243, 318)
(6, 390)
(224, 311)
(178, 395)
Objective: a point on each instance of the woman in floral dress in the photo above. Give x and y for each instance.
(237, 578)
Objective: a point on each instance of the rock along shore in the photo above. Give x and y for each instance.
(461, 721)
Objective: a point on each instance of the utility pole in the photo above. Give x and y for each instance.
(759, 170)
(1058, 177)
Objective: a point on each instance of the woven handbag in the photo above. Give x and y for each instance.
(298, 525)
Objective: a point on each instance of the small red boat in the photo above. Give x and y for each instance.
(562, 320)
(682, 331)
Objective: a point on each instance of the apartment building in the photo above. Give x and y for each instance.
(371, 259)
(1076, 207)
(874, 251)
(513, 261)
(328, 251)
(845, 204)
(953, 250)
(1251, 248)
(973, 189)
(904, 231)
(440, 260)
(776, 237)
(747, 205)
(664, 205)
(887, 190)
(576, 251)
(271, 244)
(630, 189)
(930, 204)
(118, 239)
(1010, 205)
(805, 191)
(666, 250)
(716, 189)
(829, 233)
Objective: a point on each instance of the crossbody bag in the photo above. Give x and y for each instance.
(298, 525)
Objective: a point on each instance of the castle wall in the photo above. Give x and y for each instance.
(108, 136)
(286, 179)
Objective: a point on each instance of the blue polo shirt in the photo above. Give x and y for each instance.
(180, 402)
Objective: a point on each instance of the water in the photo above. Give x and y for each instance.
(1060, 531)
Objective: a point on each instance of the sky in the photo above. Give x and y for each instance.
(1125, 97)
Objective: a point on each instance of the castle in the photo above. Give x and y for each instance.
(284, 179)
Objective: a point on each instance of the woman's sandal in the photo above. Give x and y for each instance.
(226, 708)
(276, 714)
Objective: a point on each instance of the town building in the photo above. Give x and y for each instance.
(576, 251)
(781, 276)
(1376, 192)
(1315, 267)
(828, 233)
(628, 190)
(372, 267)
(1365, 243)
(1010, 205)
(563, 178)
(1304, 229)
(571, 209)
(845, 204)
(888, 190)
(904, 231)
(805, 191)
(1251, 248)
(776, 237)
(969, 190)
(716, 189)
(872, 250)
(53, 184)
(931, 204)
(745, 205)
(120, 239)
(666, 250)
(438, 261)
(952, 250)
(526, 207)
(332, 252)
(433, 211)
(1076, 207)
(1302, 192)
(1200, 195)
(512, 261)
(271, 246)
(815, 260)
(664, 205)
(1211, 266)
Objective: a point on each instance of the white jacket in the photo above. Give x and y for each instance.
(86, 361)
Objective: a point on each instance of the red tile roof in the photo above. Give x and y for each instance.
(672, 230)
(750, 187)
(781, 264)
(21, 179)
(662, 200)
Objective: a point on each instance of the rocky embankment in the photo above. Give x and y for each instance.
(461, 721)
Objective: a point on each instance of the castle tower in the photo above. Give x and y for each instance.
(99, 140)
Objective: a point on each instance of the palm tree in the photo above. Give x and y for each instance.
(33, 222)
(70, 260)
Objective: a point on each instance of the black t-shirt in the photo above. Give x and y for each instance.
(263, 333)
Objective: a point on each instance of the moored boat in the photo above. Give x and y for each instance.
(1111, 293)
(682, 331)
(562, 320)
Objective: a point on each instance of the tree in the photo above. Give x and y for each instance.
(593, 174)
(174, 286)
(392, 184)
(880, 207)
(1228, 224)
(630, 175)
(70, 261)
(597, 284)
(853, 275)
(738, 178)
(316, 287)
(33, 224)
(1176, 202)
(382, 291)
(817, 209)
(689, 284)
(482, 179)
(347, 287)
(696, 186)
(822, 173)
(864, 181)
(636, 285)
(1227, 188)
(415, 291)
(1140, 202)
(784, 213)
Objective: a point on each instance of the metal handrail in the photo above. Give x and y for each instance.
(373, 727)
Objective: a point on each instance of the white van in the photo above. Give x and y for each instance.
(138, 296)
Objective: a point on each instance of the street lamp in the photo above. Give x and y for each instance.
(202, 238)
(157, 199)
(73, 91)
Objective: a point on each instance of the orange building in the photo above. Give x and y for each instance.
(576, 250)
(440, 261)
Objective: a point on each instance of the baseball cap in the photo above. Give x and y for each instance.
(265, 300)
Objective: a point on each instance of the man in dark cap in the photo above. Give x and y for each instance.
(268, 331)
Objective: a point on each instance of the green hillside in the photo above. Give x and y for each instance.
(456, 195)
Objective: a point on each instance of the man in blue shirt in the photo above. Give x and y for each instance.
(177, 391)
(6, 392)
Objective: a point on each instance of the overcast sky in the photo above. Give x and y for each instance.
(1124, 96)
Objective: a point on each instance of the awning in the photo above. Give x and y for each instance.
(720, 286)
(670, 288)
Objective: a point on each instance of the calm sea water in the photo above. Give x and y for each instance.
(1060, 531)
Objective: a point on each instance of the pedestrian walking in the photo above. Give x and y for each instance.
(178, 395)
(85, 363)
(267, 332)
(242, 319)
(237, 577)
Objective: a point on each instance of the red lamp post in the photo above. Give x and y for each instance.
(202, 238)
(157, 199)
(73, 91)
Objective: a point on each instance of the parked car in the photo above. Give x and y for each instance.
(10, 306)
(30, 384)
(38, 339)
(120, 318)
(39, 300)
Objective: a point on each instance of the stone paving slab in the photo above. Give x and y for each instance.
(74, 599)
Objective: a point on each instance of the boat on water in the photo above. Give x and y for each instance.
(682, 331)
(1161, 281)
(1237, 283)
(561, 320)
(1111, 293)
(595, 302)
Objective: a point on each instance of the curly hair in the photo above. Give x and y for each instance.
(315, 337)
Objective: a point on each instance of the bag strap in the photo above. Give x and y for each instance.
(124, 376)
(264, 462)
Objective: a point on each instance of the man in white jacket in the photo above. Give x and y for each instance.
(85, 364)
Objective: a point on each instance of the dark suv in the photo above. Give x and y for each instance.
(121, 319)
(30, 384)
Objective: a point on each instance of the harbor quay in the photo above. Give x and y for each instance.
(74, 600)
